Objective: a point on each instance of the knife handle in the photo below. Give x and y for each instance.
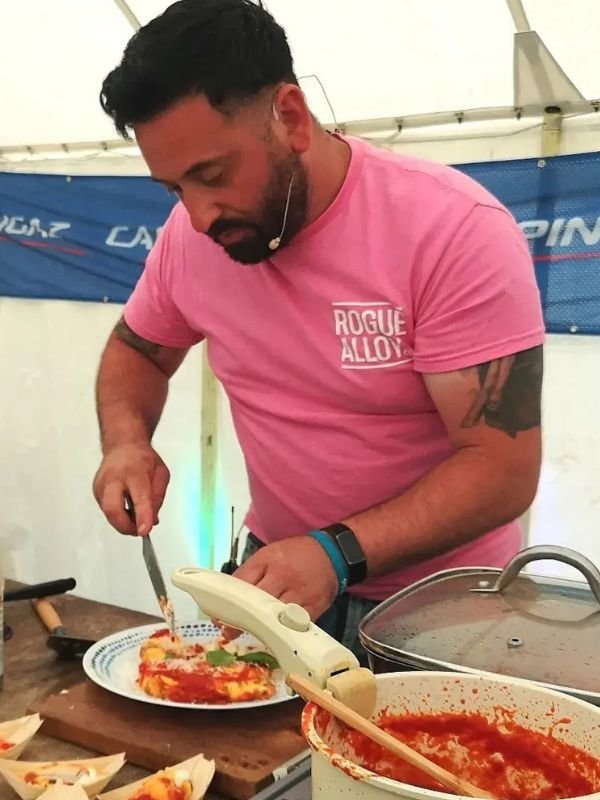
(130, 508)
(41, 590)
(48, 615)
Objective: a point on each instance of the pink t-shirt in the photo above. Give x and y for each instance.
(414, 268)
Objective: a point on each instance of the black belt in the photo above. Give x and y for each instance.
(255, 540)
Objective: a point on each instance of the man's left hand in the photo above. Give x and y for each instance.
(295, 570)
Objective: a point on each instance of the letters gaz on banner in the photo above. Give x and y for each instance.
(86, 238)
(77, 238)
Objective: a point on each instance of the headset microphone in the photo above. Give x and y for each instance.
(274, 243)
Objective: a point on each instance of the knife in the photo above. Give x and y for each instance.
(158, 583)
(155, 573)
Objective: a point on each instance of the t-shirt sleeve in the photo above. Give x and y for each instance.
(151, 311)
(480, 301)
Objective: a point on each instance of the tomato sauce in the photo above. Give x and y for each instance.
(174, 793)
(161, 633)
(207, 684)
(509, 761)
(4, 745)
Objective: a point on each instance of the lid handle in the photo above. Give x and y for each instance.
(542, 553)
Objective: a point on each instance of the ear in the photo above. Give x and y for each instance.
(292, 119)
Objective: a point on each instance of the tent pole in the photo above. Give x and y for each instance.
(551, 144)
(209, 431)
(131, 18)
(552, 131)
(519, 16)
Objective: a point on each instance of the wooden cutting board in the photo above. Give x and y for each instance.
(247, 745)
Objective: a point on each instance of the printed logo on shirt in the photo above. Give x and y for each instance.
(371, 335)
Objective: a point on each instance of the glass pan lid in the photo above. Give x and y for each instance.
(525, 626)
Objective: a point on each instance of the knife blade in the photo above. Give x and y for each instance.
(154, 571)
(158, 582)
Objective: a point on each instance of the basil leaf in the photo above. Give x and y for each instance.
(219, 658)
(266, 659)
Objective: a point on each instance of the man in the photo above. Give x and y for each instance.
(373, 318)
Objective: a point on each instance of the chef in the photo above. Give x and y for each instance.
(373, 318)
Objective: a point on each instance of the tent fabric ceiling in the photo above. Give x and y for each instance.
(377, 59)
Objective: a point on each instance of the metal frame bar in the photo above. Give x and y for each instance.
(209, 438)
(131, 18)
(362, 127)
(519, 16)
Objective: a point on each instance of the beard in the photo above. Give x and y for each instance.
(266, 226)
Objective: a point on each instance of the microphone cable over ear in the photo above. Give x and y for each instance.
(274, 243)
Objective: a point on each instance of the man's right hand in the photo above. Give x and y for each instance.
(137, 471)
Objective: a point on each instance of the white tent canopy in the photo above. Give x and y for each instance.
(390, 67)
(385, 59)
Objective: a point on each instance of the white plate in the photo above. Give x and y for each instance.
(112, 663)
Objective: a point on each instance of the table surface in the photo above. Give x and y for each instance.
(31, 670)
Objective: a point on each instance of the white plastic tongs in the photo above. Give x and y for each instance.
(315, 665)
(300, 647)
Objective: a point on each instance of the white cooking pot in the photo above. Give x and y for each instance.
(335, 775)
(303, 649)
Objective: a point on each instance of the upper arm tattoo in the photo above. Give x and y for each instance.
(509, 396)
(143, 346)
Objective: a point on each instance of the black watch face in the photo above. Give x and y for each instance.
(350, 547)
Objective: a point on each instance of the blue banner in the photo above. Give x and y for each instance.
(86, 238)
(77, 238)
(557, 204)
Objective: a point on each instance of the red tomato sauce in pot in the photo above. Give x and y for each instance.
(509, 761)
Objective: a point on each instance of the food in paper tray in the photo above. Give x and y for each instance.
(16, 734)
(188, 780)
(30, 779)
(500, 756)
(62, 791)
(172, 669)
(67, 774)
(168, 784)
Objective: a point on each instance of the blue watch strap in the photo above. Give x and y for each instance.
(336, 558)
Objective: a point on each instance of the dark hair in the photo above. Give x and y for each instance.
(228, 50)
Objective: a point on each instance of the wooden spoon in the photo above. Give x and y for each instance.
(325, 700)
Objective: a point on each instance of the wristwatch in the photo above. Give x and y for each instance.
(351, 551)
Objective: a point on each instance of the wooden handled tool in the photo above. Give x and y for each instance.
(309, 691)
(48, 615)
(60, 641)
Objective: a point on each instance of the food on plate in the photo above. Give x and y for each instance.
(172, 669)
(4, 745)
(168, 784)
(501, 757)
